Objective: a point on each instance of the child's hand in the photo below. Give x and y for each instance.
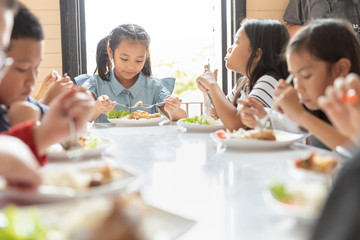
(22, 111)
(19, 167)
(58, 86)
(205, 80)
(286, 101)
(54, 128)
(104, 105)
(172, 104)
(343, 113)
(46, 84)
(250, 108)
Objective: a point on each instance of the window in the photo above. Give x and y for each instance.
(184, 35)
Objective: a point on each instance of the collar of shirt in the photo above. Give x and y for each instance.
(134, 90)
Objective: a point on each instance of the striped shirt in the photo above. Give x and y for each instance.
(263, 90)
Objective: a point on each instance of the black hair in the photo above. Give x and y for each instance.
(120, 33)
(271, 37)
(27, 25)
(102, 59)
(10, 4)
(328, 40)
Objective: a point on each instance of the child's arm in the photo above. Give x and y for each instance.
(22, 111)
(19, 167)
(287, 102)
(225, 109)
(58, 86)
(172, 108)
(102, 105)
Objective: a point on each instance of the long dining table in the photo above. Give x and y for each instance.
(221, 189)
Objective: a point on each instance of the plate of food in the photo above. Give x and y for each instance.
(73, 181)
(256, 138)
(315, 166)
(90, 146)
(298, 199)
(138, 118)
(47, 220)
(200, 124)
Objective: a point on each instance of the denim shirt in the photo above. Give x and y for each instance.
(149, 90)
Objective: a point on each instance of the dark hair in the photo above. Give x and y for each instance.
(120, 33)
(271, 37)
(328, 40)
(26, 25)
(10, 4)
(102, 58)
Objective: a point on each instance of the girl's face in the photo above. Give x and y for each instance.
(129, 58)
(311, 77)
(239, 53)
(21, 77)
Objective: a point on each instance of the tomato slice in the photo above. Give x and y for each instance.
(221, 134)
(350, 96)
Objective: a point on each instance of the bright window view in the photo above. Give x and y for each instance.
(184, 35)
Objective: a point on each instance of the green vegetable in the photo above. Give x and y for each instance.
(91, 142)
(197, 120)
(21, 225)
(117, 114)
(279, 191)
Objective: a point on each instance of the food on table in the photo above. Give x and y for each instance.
(143, 115)
(221, 134)
(317, 163)
(259, 134)
(310, 195)
(81, 180)
(86, 142)
(203, 120)
(117, 114)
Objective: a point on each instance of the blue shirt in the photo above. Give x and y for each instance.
(149, 90)
(4, 120)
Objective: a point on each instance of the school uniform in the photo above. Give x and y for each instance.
(147, 89)
(299, 12)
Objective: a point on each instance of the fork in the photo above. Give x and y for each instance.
(150, 106)
(75, 149)
(263, 122)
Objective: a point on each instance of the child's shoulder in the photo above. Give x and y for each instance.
(167, 82)
(86, 78)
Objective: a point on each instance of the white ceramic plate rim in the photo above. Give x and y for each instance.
(105, 144)
(283, 139)
(198, 127)
(134, 122)
(112, 187)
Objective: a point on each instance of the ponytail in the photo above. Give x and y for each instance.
(103, 63)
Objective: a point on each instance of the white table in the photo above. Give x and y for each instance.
(222, 190)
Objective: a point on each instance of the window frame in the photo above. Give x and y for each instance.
(73, 37)
(74, 57)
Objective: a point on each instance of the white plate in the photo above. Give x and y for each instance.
(124, 122)
(57, 152)
(193, 127)
(289, 210)
(283, 139)
(47, 194)
(85, 214)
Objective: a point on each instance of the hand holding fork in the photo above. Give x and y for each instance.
(250, 109)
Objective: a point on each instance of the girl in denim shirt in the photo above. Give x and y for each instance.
(126, 78)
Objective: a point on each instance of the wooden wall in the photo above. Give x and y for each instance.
(48, 12)
(269, 9)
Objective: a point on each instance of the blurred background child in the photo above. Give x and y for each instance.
(256, 54)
